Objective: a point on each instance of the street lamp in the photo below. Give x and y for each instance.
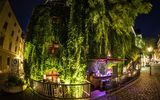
(150, 50)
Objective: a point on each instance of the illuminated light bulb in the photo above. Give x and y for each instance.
(44, 76)
(58, 80)
(67, 82)
(50, 78)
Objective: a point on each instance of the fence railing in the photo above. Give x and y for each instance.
(114, 83)
(62, 91)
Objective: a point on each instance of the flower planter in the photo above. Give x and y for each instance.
(15, 89)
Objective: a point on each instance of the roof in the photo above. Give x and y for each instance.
(109, 59)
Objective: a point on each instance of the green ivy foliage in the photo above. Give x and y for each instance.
(97, 28)
(88, 29)
(122, 15)
(74, 59)
(42, 32)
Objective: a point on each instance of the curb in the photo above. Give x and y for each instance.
(94, 96)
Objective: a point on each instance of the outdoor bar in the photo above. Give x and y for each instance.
(104, 72)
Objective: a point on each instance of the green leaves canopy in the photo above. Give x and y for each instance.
(94, 27)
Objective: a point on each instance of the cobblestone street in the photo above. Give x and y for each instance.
(146, 88)
(26, 95)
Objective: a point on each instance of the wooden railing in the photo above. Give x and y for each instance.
(114, 83)
(62, 91)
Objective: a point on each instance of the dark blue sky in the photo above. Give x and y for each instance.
(149, 24)
(23, 10)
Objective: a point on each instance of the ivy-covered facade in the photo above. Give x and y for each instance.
(83, 29)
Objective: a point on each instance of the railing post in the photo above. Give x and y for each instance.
(63, 91)
(49, 89)
(150, 70)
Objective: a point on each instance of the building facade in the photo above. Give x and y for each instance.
(11, 41)
(158, 42)
(158, 48)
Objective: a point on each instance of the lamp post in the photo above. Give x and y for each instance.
(149, 49)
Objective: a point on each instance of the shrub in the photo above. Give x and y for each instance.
(14, 81)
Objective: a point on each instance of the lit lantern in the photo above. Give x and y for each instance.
(116, 79)
(129, 73)
(124, 70)
(53, 76)
(58, 80)
(50, 78)
(44, 77)
(53, 47)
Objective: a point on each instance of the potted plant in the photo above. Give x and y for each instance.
(14, 84)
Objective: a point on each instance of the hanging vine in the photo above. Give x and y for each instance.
(97, 29)
(91, 29)
(122, 15)
(74, 59)
(42, 32)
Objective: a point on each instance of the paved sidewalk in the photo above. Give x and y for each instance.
(146, 88)
(26, 95)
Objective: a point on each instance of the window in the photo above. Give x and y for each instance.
(17, 39)
(16, 49)
(15, 24)
(1, 41)
(9, 14)
(8, 61)
(10, 46)
(0, 60)
(12, 34)
(5, 26)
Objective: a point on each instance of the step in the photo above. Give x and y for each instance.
(98, 95)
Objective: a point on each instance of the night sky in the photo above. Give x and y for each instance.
(149, 24)
(23, 10)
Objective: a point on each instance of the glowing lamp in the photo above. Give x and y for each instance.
(50, 78)
(58, 80)
(67, 82)
(44, 76)
(149, 49)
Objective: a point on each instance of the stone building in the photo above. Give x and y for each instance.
(11, 41)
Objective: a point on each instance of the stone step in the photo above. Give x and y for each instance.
(98, 95)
